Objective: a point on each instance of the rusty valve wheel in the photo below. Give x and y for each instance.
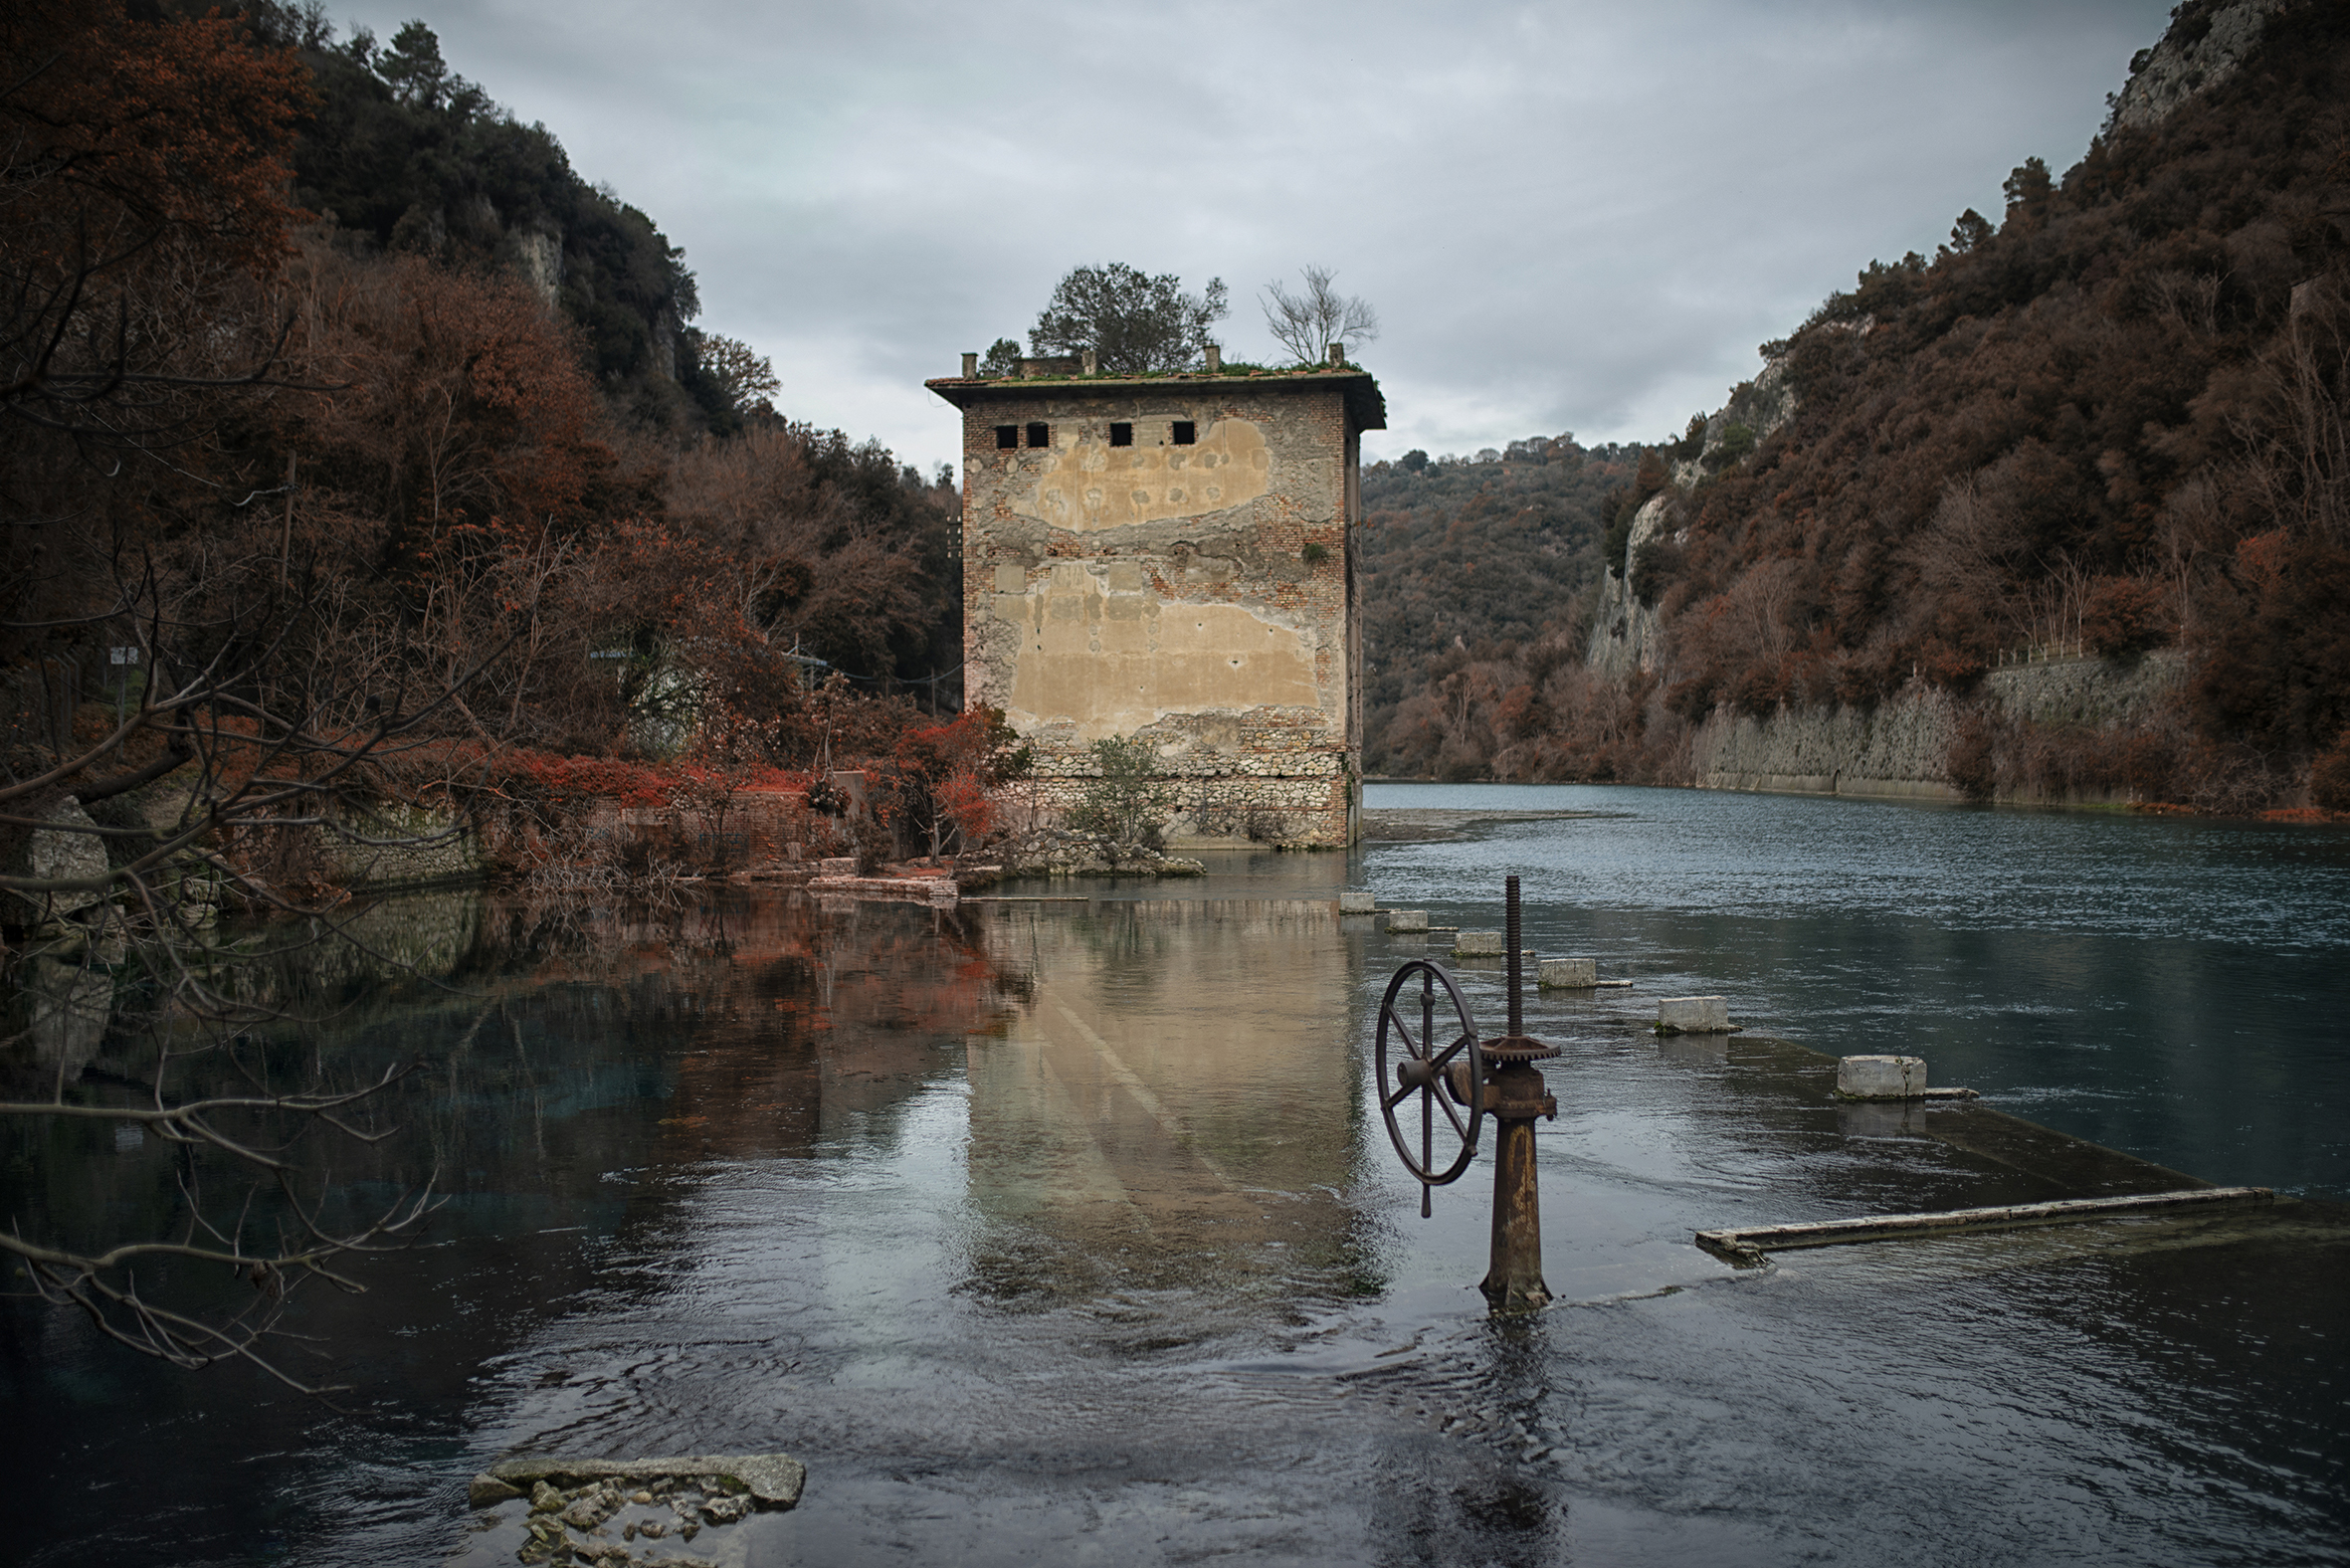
(1453, 1076)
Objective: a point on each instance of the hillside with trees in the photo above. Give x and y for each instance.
(370, 500)
(1472, 565)
(2112, 421)
(335, 395)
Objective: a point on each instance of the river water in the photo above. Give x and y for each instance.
(1068, 1232)
(2175, 987)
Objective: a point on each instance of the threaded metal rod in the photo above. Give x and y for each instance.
(1517, 1014)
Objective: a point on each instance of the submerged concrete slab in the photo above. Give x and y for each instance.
(1745, 1247)
(1477, 944)
(936, 892)
(1880, 1078)
(1883, 1118)
(1407, 920)
(1354, 902)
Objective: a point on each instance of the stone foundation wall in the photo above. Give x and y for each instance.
(1226, 810)
(1259, 777)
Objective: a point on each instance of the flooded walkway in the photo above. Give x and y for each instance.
(1069, 1232)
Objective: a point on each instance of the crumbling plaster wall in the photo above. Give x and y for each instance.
(1165, 592)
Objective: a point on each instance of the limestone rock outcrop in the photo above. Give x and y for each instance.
(2206, 44)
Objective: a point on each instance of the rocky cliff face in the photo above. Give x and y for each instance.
(2207, 41)
(1626, 634)
(538, 256)
(1755, 409)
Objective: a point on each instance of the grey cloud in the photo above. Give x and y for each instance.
(1573, 216)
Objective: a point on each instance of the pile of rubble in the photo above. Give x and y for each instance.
(610, 1511)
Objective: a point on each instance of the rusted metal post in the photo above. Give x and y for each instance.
(1514, 1094)
(1514, 1278)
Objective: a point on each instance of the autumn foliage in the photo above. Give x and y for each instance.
(2110, 421)
(2115, 423)
(529, 545)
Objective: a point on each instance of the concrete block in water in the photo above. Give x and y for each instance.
(1693, 1015)
(1407, 920)
(1569, 974)
(1356, 904)
(1477, 944)
(1882, 1078)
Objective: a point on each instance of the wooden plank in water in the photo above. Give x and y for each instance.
(1747, 1246)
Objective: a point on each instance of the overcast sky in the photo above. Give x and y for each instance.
(1574, 216)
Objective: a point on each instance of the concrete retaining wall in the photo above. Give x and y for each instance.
(1898, 748)
(1901, 748)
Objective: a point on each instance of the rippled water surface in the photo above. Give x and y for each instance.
(1068, 1232)
(2177, 988)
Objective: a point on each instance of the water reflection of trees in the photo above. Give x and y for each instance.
(565, 1054)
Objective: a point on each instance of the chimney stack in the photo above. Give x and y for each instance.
(1338, 354)
(1088, 362)
(970, 367)
(1215, 359)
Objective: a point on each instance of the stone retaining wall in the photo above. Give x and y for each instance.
(2087, 691)
(389, 847)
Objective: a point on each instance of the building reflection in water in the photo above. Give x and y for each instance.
(1173, 1104)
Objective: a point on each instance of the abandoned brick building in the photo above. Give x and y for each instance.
(1170, 558)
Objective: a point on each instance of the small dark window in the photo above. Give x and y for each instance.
(1007, 437)
(1121, 435)
(1039, 435)
(1184, 434)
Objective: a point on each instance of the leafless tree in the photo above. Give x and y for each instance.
(2295, 429)
(1308, 322)
(114, 933)
(145, 340)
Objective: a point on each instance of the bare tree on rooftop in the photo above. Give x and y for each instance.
(1308, 322)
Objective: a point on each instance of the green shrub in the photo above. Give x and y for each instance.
(1130, 804)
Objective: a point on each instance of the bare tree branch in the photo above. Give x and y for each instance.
(1308, 322)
